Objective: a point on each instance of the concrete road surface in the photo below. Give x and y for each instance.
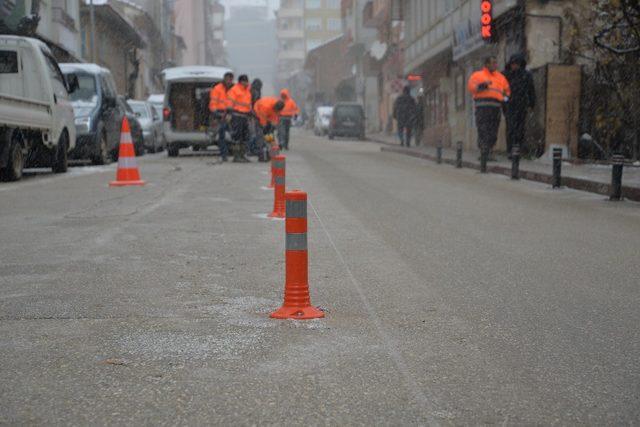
(451, 297)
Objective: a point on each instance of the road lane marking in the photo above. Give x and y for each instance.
(391, 344)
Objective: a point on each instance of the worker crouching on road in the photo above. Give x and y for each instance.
(267, 112)
(240, 100)
(289, 113)
(218, 106)
(490, 90)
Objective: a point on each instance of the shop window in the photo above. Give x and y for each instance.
(459, 82)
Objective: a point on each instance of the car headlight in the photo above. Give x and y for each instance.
(83, 124)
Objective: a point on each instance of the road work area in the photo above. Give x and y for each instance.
(450, 297)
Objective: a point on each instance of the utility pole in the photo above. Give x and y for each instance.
(92, 43)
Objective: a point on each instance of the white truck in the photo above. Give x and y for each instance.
(37, 127)
(186, 106)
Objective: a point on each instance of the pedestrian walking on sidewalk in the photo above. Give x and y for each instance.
(404, 111)
(490, 89)
(420, 104)
(523, 97)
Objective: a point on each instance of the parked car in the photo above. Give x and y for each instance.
(322, 120)
(150, 123)
(98, 116)
(36, 117)
(134, 125)
(347, 119)
(157, 101)
(186, 106)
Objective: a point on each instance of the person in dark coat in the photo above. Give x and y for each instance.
(255, 143)
(404, 111)
(523, 97)
(420, 103)
(256, 90)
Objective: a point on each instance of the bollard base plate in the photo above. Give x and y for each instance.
(277, 214)
(297, 313)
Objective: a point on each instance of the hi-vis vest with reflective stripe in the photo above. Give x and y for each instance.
(290, 107)
(218, 99)
(495, 94)
(265, 110)
(240, 98)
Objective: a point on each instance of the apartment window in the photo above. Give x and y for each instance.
(334, 24)
(313, 24)
(314, 4)
(313, 43)
(333, 4)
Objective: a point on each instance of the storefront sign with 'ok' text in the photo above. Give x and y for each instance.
(486, 19)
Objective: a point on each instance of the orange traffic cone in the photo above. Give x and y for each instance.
(128, 173)
(279, 190)
(297, 303)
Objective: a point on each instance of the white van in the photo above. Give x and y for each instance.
(186, 106)
(36, 117)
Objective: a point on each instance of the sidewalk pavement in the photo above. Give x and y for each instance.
(595, 178)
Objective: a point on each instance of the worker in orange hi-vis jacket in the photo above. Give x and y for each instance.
(218, 105)
(268, 112)
(289, 113)
(490, 89)
(240, 100)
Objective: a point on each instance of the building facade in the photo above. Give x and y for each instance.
(59, 24)
(117, 45)
(303, 25)
(360, 38)
(200, 25)
(444, 45)
(248, 54)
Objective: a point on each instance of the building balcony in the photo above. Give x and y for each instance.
(290, 34)
(291, 13)
(291, 54)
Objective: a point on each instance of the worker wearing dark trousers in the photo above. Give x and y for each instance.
(523, 97)
(404, 111)
(218, 105)
(490, 90)
(256, 94)
(240, 100)
(289, 113)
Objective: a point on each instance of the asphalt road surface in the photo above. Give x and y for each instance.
(451, 297)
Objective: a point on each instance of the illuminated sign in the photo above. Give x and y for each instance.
(486, 20)
(414, 77)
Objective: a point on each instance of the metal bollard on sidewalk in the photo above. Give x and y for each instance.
(556, 181)
(439, 152)
(297, 302)
(617, 163)
(515, 162)
(484, 157)
(459, 154)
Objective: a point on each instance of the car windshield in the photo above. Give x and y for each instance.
(158, 109)
(140, 109)
(350, 111)
(87, 90)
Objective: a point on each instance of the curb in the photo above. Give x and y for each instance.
(631, 193)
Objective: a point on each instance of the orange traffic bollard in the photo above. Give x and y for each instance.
(128, 173)
(297, 303)
(278, 192)
(273, 152)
